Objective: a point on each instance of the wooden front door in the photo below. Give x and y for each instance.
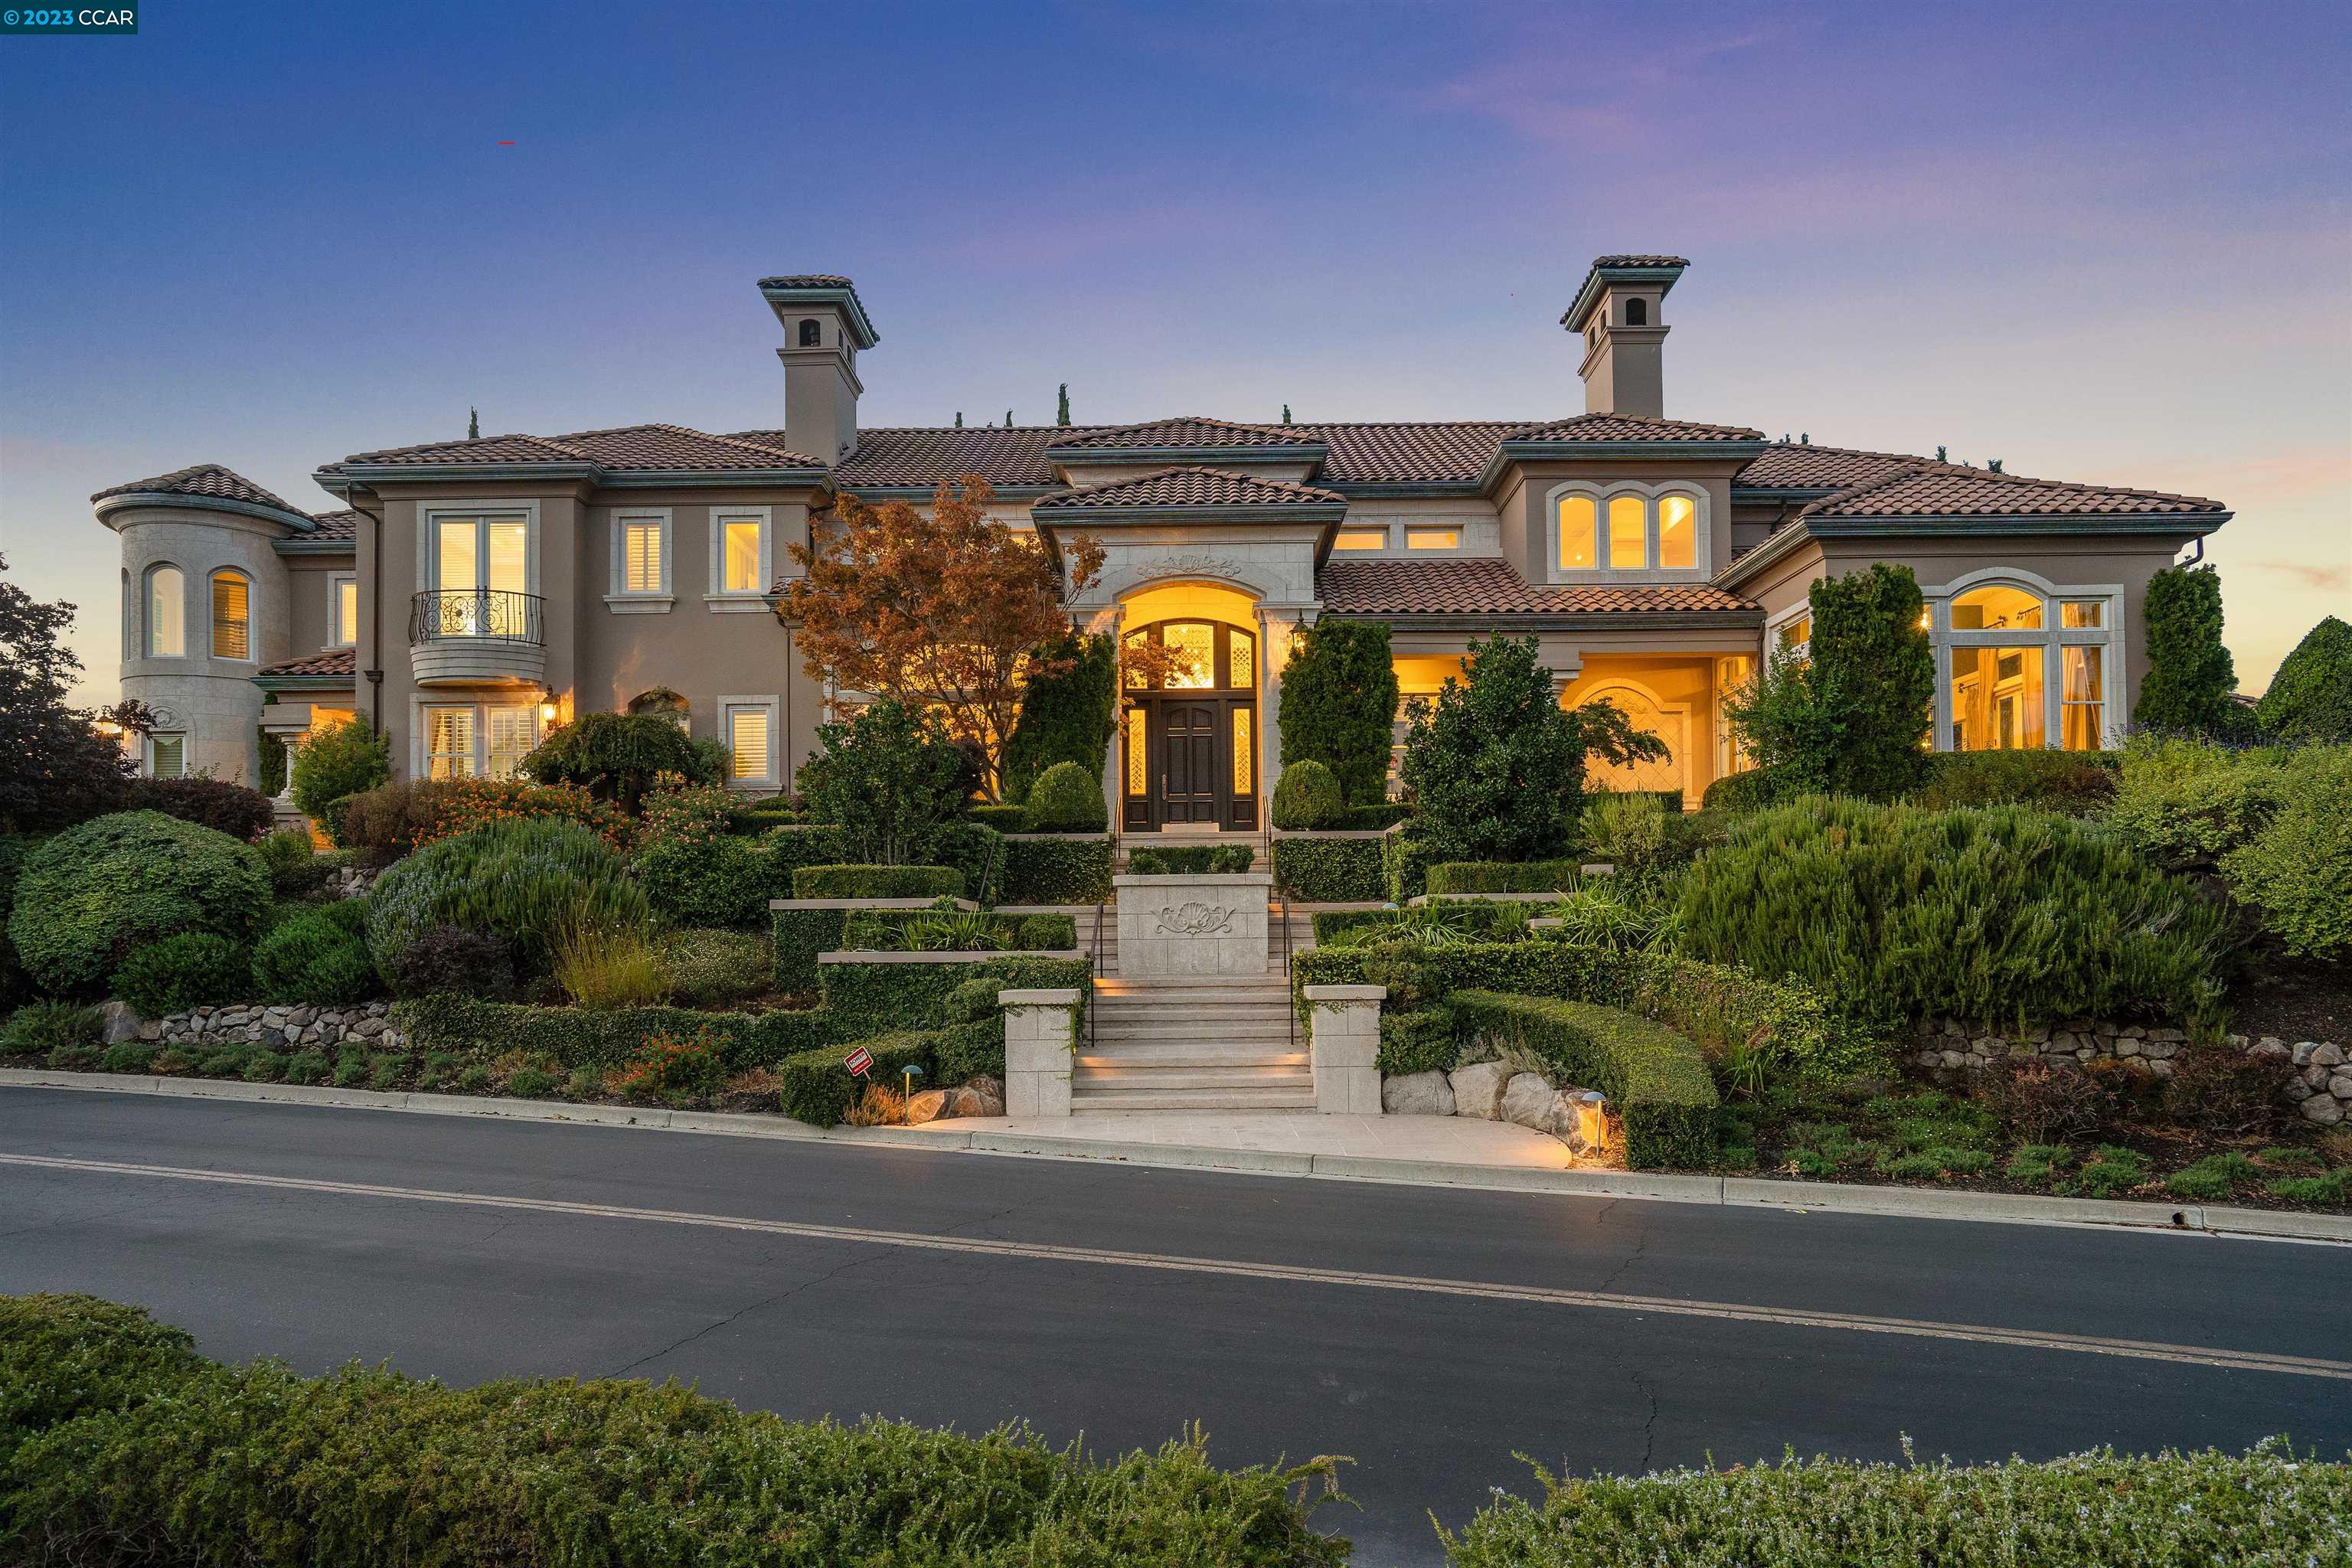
(1191, 778)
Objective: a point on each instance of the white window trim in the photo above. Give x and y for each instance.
(147, 610)
(721, 599)
(428, 528)
(1802, 609)
(335, 628)
(619, 597)
(772, 779)
(2114, 698)
(147, 752)
(417, 704)
(1650, 495)
(211, 614)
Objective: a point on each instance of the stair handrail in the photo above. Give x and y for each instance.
(1093, 971)
(1289, 978)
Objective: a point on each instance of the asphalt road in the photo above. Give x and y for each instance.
(976, 1310)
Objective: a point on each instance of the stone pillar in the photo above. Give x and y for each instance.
(1343, 1034)
(1039, 1030)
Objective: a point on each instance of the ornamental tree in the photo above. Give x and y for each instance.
(1852, 716)
(1338, 705)
(945, 609)
(889, 778)
(2190, 675)
(56, 769)
(2310, 698)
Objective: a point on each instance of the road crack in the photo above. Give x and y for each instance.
(1650, 1423)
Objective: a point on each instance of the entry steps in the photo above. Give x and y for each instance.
(1207, 1044)
(1184, 836)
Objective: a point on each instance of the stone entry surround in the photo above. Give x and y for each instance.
(1193, 925)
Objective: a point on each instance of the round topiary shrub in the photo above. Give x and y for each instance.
(1067, 799)
(181, 972)
(89, 897)
(520, 881)
(1306, 797)
(313, 959)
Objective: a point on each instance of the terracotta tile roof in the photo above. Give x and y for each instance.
(1630, 427)
(336, 524)
(1440, 451)
(1189, 487)
(343, 661)
(1191, 431)
(903, 459)
(1640, 261)
(1787, 466)
(1492, 587)
(1935, 490)
(202, 480)
(622, 448)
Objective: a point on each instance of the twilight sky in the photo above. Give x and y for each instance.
(2099, 242)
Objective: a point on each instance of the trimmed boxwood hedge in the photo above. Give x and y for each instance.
(120, 1444)
(1656, 1080)
(818, 1089)
(1190, 860)
(1056, 871)
(871, 930)
(604, 1037)
(1504, 877)
(1405, 860)
(865, 999)
(1471, 916)
(878, 883)
(1329, 870)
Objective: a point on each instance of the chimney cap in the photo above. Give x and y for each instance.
(822, 289)
(1607, 269)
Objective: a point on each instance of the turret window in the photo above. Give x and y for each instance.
(167, 614)
(811, 334)
(232, 616)
(1637, 313)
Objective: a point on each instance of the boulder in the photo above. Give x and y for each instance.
(2324, 1109)
(928, 1105)
(1416, 1094)
(983, 1095)
(1478, 1089)
(2339, 1084)
(120, 1023)
(1529, 1100)
(2327, 1053)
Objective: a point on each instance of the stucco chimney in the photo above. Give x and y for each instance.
(824, 326)
(1618, 314)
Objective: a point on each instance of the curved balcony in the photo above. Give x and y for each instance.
(478, 636)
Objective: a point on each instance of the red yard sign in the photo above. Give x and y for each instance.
(859, 1062)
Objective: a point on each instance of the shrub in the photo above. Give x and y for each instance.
(617, 757)
(182, 972)
(119, 1433)
(816, 1087)
(864, 999)
(2043, 1102)
(2215, 1089)
(40, 1026)
(1504, 877)
(1852, 717)
(232, 808)
(1067, 716)
(575, 1038)
(295, 867)
(2110, 1171)
(313, 959)
(716, 881)
(335, 763)
(2310, 698)
(689, 813)
(2298, 869)
(1656, 1080)
(1056, 871)
(2189, 679)
(973, 1001)
(453, 959)
(1423, 1040)
(87, 898)
(878, 883)
(1996, 913)
(1406, 856)
(976, 851)
(1190, 860)
(2187, 803)
(1003, 818)
(1309, 796)
(1626, 829)
(1494, 921)
(1340, 704)
(128, 1055)
(520, 881)
(1329, 870)
(2079, 783)
(1067, 798)
(797, 937)
(712, 968)
(667, 1065)
(888, 779)
(1751, 790)
(607, 964)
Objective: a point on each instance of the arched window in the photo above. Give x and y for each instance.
(232, 615)
(1677, 532)
(1637, 313)
(2023, 668)
(811, 334)
(167, 612)
(1629, 533)
(1634, 528)
(1578, 550)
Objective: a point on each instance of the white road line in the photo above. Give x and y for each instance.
(1601, 1300)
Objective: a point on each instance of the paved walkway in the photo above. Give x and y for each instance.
(1447, 1140)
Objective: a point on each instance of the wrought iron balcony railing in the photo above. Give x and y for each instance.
(495, 613)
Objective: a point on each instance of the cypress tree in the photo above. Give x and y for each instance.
(1286, 413)
(2190, 675)
(959, 419)
(1008, 420)
(1850, 718)
(2310, 698)
(1062, 412)
(1064, 718)
(1339, 703)
(473, 425)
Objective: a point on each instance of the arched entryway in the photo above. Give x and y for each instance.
(1669, 722)
(1189, 738)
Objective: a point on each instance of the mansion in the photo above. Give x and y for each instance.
(467, 595)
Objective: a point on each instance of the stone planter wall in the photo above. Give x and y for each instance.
(257, 1024)
(2322, 1087)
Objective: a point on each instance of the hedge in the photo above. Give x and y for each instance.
(818, 1088)
(800, 935)
(1504, 877)
(603, 1037)
(1751, 790)
(1321, 870)
(2094, 1510)
(1656, 1078)
(2080, 783)
(1405, 860)
(1423, 1040)
(878, 883)
(1470, 915)
(1003, 818)
(120, 1444)
(871, 929)
(1056, 870)
(1190, 860)
(89, 897)
(865, 999)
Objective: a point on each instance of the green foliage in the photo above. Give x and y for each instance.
(2298, 869)
(180, 972)
(877, 881)
(1752, 790)
(710, 968)
(2310, 698)
(1003, 818)
(1338, 705)
(974, 1002)
(1423, 1040)
(2079, 783)
(1329, 870)
(315, 959)
(1309, 796)
(2187, 803)
(1626, 829)
(720, 881)
(608, 964)
(448, 958)
(520, 881)
(977, 851)
(336, 763)
(1993, 914)
(816, 1087)
(295, 867)
(117, 1433)
(1851, 718)
(1190, 860)
(864, 999)
(1656, 1080)
(692, 814)
(1480, 918)
(1056, 871)
(89, 897)
(1406, 856)
(1503, 877)
(2110, 1171)
(2189, 679)
(924, 931)
(888, 780)
(601, 1037)
(225, 807)
(797, 936)
(1067, 716)
(1068, 798)
(617, 757)
(47, 1026)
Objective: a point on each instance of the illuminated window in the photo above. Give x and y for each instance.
(345, 630)
(450, 743)
(167, 612)
(1796, 637)
(1433, 539)
(1241, 750)
(1241, 654)
(2019, 675)
(1134, 678)
(1997, 609)
(1629, 533)
(1192, 649)
(1997, 702)
(2082, 700)
(643, 554)
(1361, 539)
(748, 727)
(1138, 757)
(232, 616)
(1578, 552)
(2081, 613)
(1677, 532)
(739, 551)
(513, 733)
(167, 756)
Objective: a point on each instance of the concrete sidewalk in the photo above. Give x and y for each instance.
(1439, 1140)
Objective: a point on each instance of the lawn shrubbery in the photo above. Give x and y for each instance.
(518, 881)
(1067, 798)
(2079, 783)
(402, 816)
(1329, 870)
(710, 968)
(617, 757)
(335, 763)
(1309, 796)
(1655, 1079)
(320, 958)
(181, 972)
(1190, 860)
(1056, 871)
(242, 813)
(601, 1038)
(878, 883)
(116, 1437)
(1503, 877)
(86, 898)
(867, 999)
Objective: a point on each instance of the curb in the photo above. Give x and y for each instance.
(1724, 1192)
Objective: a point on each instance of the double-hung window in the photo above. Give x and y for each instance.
(641, 561)
(167, 612)
(232, 616)
(748, 728)
(742, 557)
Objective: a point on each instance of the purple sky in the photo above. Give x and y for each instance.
(2104, 243)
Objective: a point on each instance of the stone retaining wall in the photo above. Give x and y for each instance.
(2321, 1089)
(363, 1024)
